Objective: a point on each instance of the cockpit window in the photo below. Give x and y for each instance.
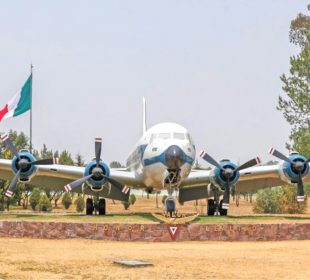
(177, 135)
(164, 136)
(153, 137)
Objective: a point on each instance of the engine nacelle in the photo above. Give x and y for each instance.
(288, 173)
(217, 175)
(96, 183)
(27, 171)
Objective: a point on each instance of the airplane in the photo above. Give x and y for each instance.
(162, 159)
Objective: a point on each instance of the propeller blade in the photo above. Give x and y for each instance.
(249, 163)
(300, 189)
(7, 141)
(13, 184)
(74, 184)
(279, 155)
(116, 184)
(48, 161)
(225, 204)
(98, 143)
(210, 160)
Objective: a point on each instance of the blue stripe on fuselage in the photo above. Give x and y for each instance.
(162, 159)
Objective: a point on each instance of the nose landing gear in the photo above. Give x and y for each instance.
(95, 205)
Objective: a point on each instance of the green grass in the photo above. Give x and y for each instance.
(145, 218)
(250, 219)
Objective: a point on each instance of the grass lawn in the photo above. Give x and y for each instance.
(143, 218)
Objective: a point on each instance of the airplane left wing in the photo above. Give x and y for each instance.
(57, 176)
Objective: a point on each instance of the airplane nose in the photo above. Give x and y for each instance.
(174, 157)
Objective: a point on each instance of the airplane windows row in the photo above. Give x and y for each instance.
(164, 136)
(180, 136)
(167, 135)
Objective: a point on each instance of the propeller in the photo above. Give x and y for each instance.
(22, 163)
(228, 173)
(298, 166)
(97, 173)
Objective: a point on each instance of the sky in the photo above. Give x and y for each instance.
(211, 66)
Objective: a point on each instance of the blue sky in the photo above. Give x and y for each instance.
(211, 66)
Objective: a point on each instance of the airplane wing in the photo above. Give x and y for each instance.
(57, 176)
(251, 179)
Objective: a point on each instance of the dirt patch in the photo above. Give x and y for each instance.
(88, 259)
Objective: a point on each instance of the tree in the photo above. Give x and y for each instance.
(45, 153)
(115, 164)
(79, 160)
(295, 105)
(66, 200)
(45, 204)
(35, 198)
(65, 158)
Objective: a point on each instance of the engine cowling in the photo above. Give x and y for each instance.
(289, 170)
(218, 176)
(22, 163)
(97, 181)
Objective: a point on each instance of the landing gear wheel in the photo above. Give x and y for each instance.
(89, 206)
(101, 206)
(170, 206)
(211, 207)
(223, 212)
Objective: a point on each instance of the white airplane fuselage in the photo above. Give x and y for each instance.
(164, 150)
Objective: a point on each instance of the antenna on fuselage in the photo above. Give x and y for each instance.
(144, 115)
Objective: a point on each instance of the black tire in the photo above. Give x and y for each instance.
(211, 207)
(89, 206)
(101, 206)
(223, 212)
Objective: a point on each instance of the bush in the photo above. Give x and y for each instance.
(66, 200)
(45, 204)
(80, 204)
(35, 197)
(278, 200)
(132, 199)
(288, 202)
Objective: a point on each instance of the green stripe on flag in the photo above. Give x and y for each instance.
(24, 103)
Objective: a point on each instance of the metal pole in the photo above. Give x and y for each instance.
(30, 148)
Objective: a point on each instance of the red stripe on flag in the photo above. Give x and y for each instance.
(3, 112)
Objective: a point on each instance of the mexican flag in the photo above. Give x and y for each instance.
(20, 103)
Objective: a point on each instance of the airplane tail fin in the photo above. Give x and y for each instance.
(144, 115)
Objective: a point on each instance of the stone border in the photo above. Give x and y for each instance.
(156, 232)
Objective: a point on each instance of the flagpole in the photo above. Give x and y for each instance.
(30, 148)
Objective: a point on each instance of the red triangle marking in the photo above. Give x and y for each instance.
(173, 230)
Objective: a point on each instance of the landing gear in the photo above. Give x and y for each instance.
(211, 207)
(89, 206)
(101, 206)
(215, 205)
(170, 207)
(223, 212)
(97, 205)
